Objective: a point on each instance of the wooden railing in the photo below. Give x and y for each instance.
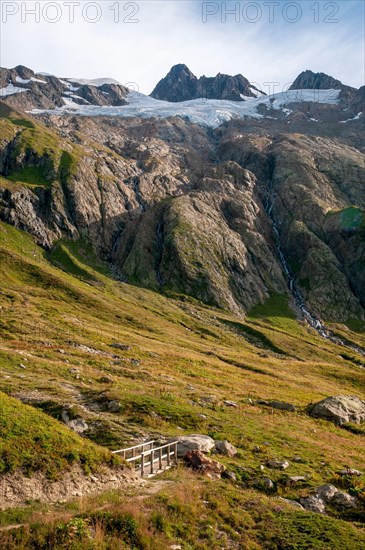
(145, 456)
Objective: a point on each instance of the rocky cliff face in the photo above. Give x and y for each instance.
(180, 84)
(229, 216)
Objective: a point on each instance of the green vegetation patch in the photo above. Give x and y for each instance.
(350, 219)
(31, 441)
(275, 306)
(33, 175)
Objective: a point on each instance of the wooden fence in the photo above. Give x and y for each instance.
(148, 459)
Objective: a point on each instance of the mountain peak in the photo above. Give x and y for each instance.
(180, 84)
(23, 72)
(180, 68)
(308, 80)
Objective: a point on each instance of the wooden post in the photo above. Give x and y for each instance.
(152, 455)
(160, 459)
(168, 455)
(175, 451)
(142, 464)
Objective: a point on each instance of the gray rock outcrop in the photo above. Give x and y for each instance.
(340, 409)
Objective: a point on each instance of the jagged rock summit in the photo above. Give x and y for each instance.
(180, 84)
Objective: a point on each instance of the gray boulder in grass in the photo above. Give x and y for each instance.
(195, 442)
(225, 448)
(340, 409)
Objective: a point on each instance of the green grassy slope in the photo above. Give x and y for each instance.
(33, 442)
(60, 315)
(44, 156)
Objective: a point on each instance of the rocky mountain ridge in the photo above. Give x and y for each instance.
(265, 204)
(180, 208)
(180, 84)
(24, 89)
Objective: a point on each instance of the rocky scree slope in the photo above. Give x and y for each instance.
(183, 209)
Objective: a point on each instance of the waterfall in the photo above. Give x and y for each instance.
(298, 297)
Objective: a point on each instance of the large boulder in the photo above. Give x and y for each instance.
(204, 465)
(225, 448)
(195, 442)
(340, 409)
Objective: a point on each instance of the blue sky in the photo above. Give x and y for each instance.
(266, 41)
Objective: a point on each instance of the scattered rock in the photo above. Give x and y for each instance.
(267, 483)
(326, 492)
(350, 472)
(22, 366)
(292, 480)
(135, 362)
(344, 500)
(257, 449)
(118, 345)
(105, 380)
(278, 464)
(73, 371)
(313, 504)
(229, 474)
(340, 409)
(331, 495)
(225, 448)
(210, 399)
(292, 502)
(203, 416)
(114, 406)
(92, 351)
(297, 459)
(230, 403)
(203, 464)
(78, 425)
(195, 442)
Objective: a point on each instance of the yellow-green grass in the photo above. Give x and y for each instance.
(45, 309)
(188, 511)
(31, 441)
(181, 352)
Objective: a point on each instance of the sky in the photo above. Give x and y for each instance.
(268, 41)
